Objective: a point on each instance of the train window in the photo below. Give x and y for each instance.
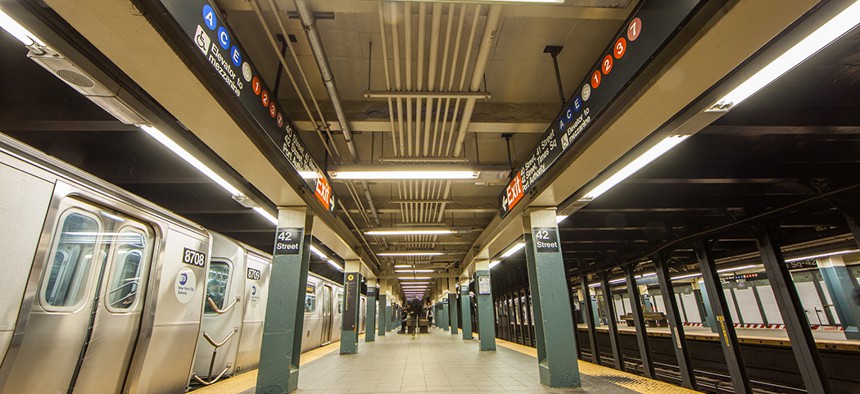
(310, 303)
(129, 259)
(217, 284)
(68, 272)
(340, 303)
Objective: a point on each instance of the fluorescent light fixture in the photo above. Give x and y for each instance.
(413, 231)
(335, 265)
(614, 281)
(425, 174)
(403, 266)
(413, 277)
(319, 253)
(513, 249)
(190, 159)
(18, 31)
(594, 284)
(309, 174)
(658, 150)
(560, 218)
(271, 218)
(811, 44)
(818, 256)
(685, 276)
(414, 271)
(494, 263)
(411, 253)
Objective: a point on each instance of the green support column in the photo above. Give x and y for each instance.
(351, 306)
(484, 300)
(709, 320)
(840, 285)
(438, 319)
(383, 311)
(389, 316)
(282, 331)
(466, 308)
(556, 346)
(370, 315)
(452, 306)
(446, 321)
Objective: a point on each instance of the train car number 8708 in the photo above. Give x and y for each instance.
(193, 257)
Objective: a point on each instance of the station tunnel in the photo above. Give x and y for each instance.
(269, 196)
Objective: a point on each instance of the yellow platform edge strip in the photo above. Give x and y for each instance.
(639, 384)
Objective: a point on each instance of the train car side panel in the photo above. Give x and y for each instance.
(166, 361)
(20, 228)
(256, 289)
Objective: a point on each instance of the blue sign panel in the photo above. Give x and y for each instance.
(202, 24)
(643, 34)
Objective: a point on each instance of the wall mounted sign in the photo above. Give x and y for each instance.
(546, 240)
(484, 287)
(287, 241)
(350, 290)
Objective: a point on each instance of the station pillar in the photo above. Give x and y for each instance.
(370, 315)
(726, 330)
(840, 284)
(484, 300)
(452, 305)
(708, 320)
(351, 304)
(556, 345)
(466, 309)
(383, 310)
(282, 330)
(591, 318)
(790, 307)
(445, 321)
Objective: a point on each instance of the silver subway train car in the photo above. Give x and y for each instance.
(103, 291)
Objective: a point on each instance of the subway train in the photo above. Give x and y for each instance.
(103, 291)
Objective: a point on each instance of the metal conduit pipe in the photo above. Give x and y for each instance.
(487, 40)
(309, 24)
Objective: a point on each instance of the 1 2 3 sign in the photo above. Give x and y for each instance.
(287, 241)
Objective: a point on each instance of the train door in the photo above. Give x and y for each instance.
(223, 311)
(256, 295)
(83, 323)
(325, 337)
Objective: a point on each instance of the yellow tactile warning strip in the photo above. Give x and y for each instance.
(248, 380)
(630, 381)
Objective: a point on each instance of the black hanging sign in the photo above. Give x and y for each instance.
(631, 49)
(221, 53)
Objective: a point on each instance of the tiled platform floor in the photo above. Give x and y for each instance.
(439, 362)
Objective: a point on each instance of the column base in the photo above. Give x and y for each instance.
(564, 379)
(292, 384)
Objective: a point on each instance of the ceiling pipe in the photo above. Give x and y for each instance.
(309, 24)
(489, 37)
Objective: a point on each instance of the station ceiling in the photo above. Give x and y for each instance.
(793, 141)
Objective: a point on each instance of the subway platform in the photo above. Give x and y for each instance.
(438, 362)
